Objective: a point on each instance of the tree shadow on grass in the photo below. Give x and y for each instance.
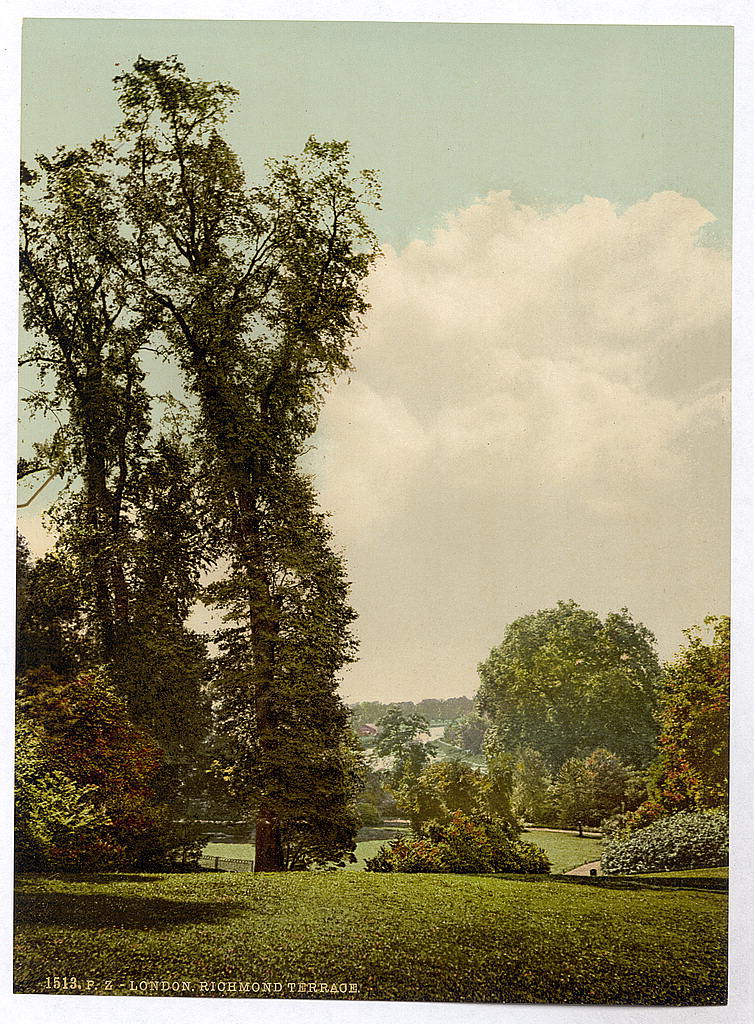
(707, 884)
(105, 879)
(105, 910)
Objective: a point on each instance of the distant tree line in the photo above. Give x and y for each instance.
(432, 709)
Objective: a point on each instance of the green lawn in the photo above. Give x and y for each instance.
(564, 850)
(409, 937)
(242, 851)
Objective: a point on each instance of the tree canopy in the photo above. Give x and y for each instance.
(398, 740)
(564, 682)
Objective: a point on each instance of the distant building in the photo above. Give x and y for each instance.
(368, 730)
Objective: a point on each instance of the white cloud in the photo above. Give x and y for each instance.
(379, 444)
(585, 349)
(539, 410)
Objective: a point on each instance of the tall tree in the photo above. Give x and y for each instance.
(261, 295)
(564, 682)
(256, 295)
(121, 579)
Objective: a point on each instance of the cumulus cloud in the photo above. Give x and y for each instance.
(529, 386)
(588, 345)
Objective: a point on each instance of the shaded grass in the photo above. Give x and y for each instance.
(690, 873)
(408, 937)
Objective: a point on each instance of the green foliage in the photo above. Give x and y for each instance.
(563, 682)
(398, 739)
(433, 709)
(467, 732)
(683, 840)
(261, 292)
(531, 781)
(439, 789)
(500, 778)
(368, 814)
(49, 620)
(692, 768)
(253, 295)
(413, 938)
(375, 795)
(132, 540)
(463, 844)
(54, 816)
(588, 790)
(77, 735)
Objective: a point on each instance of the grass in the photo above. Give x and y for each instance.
(400, 937)
(242, 851)
(565, 851)
(691, 873)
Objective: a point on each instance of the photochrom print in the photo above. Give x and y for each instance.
(374, 512)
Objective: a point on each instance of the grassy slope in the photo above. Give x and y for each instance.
(565, 851)
(411, 937)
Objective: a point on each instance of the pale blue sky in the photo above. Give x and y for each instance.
(447, 112)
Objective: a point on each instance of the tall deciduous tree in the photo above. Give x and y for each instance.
(564, 682)
(255, 294)
(261, 293)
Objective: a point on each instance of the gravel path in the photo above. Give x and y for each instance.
(585, 869)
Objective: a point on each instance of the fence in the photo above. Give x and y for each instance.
(226, 863)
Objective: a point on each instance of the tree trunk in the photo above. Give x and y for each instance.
(263, 616)
(269, 848)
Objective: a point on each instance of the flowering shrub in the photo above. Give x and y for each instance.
(680, 841)
(461, 845)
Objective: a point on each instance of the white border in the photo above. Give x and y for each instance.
(51, 1009)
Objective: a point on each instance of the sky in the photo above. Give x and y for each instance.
(539, 408)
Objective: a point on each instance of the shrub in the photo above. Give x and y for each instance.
(680, 841)
(462, 845)
(53, 816)
(621, 825)
(86, 780)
